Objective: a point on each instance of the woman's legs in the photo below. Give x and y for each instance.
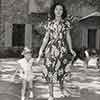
(51, 89)
(64, 90)
(51, 96)
(61, 86)
(23, 91)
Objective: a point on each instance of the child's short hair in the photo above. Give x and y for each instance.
(26, 50)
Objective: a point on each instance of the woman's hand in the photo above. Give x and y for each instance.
(39, 57)
(12, 78)
(73, 52)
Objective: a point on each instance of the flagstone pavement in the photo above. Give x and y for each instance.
(84, 85)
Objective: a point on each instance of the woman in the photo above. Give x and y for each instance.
(54, 45)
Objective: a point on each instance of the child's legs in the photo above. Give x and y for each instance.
(31, 90)
(24, 85)
(30, 85)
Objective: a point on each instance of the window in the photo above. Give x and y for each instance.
(92, 38)
(18, 35)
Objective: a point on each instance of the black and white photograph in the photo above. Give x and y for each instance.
(49, 49)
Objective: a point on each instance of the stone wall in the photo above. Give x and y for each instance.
(12, 11)
(16, 12)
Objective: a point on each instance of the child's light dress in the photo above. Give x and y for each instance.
(26, 69)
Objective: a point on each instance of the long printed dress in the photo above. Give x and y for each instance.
(56, 50)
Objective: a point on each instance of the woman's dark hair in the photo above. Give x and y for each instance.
(52, 14)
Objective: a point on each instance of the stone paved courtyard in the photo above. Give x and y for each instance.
(84, 85)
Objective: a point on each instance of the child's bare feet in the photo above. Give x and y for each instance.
(22, 98)
(31, 94)
(51, 98)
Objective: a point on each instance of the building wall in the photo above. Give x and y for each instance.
(16, 12)
(12, 11)
(90, 23)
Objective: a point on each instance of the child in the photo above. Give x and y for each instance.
(25, 69)
(93, 61)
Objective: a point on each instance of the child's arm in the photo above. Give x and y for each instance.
(17, 69)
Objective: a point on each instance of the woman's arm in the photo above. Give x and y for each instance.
(69, 41)
(45, 41)
(16, 71)
(18, 68)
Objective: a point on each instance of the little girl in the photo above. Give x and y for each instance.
(25, 70)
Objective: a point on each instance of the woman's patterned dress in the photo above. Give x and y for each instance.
(56, 50)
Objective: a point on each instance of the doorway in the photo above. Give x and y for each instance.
(18, 35)
(92, 38)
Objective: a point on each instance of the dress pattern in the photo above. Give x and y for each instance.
(56, 50)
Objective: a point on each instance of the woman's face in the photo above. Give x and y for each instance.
(58, 11)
